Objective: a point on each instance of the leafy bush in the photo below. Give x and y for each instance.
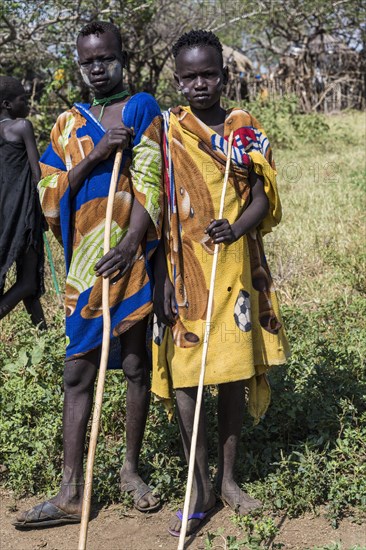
(31, 423)
(311, 446)
(31, 397)
(285, 125)
(309, 449)
(334, 546)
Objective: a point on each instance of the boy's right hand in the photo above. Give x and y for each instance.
(165, 305)
(119, 136)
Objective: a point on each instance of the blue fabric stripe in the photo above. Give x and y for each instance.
(84, 109)
(139, 112)
(49, 157)
(90, 331)
(65, 217)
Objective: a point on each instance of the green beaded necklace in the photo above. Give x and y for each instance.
(104, 101)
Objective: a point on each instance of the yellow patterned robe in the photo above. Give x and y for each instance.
(247, 336)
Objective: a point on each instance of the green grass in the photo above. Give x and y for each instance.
(310, 449)
(317, 252)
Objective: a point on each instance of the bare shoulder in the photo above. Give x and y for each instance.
(23, 126)
(22, 130)
(18, 130)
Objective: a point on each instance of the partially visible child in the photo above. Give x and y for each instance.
(20, 211)
(246, 336)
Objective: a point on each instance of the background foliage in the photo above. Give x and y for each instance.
(310, 449)
(37, 39)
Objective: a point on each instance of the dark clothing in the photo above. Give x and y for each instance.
(20, 211)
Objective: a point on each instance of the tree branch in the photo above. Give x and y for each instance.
(12, 32)
(236, 19)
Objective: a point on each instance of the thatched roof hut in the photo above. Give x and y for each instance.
(323, 71)
(323, 42)
(239, 66)
(331, 55)
(236, 60)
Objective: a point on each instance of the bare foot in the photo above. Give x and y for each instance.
(200, 502)
(134, 484)
(237, 499)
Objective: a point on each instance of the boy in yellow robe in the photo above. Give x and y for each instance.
(246, 336)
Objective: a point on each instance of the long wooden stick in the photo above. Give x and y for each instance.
(192, 453)
(103, 362)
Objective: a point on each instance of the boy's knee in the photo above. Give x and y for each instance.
(72, 375)
(134, 368)
(77, 378)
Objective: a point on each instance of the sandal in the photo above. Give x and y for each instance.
(139, 489)
(197, 515)
(45, 514)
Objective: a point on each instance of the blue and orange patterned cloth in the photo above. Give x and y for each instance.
(78, 222)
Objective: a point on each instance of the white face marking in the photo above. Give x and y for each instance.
(85, 76)
(113, 71)
(183, 89)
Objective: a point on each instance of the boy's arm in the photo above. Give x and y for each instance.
(114, 137)
(62, 181)
(25, 130)
(165, 304)
(143, 114)
(221, 231)
(121, 257)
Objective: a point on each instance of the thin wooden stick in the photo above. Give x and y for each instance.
(103, 362)
(192, 453)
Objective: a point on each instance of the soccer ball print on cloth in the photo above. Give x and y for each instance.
(158, 331)
(242, 313)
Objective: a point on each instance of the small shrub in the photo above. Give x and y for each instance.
(258, 535)
(283, 122)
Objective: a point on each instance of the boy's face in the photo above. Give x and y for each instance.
(19, 105)
(200, 76)
(101, 63)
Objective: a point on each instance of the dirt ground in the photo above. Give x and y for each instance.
(114, 529)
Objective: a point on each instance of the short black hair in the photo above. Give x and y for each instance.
(10, 88)
(100, 27)
(193, 39)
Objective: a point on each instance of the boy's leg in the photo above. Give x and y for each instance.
(31, 304)
(79, 378)
(136, 367)
(24, 287)
(202, 496)
(231, 413)
(34, 309)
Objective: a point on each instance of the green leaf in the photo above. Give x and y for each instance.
(37, 354)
